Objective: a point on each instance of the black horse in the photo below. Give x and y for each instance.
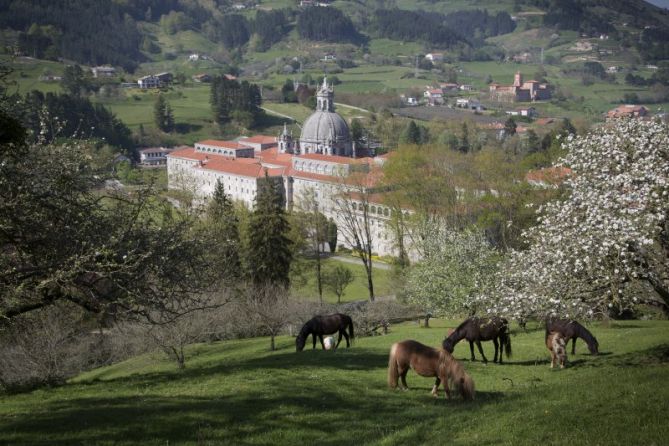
(571, 330)
(324, 325)
(477, 329)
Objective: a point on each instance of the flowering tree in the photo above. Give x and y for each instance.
(611, 230)
(459, 266)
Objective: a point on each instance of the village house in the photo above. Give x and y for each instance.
(202, 77)
(466, 87)
(448, 87)
(469, 103)
(154, 156)
(435, 57)
(434, 96)
(627, 111)
(103, 71)
(520, 91)
(149, 81)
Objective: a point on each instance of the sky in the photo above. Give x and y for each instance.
(660, 3)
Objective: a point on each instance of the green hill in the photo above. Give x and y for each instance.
(238, 392)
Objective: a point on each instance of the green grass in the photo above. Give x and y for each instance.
(238, 392)
(357, 290)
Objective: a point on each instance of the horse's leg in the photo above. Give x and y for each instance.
(478, 344)
(494, 341)
(471, 348)
(435, 388)
(348, 343)
(403, 376)
(338, 340)
(573, 345)
(313, 338)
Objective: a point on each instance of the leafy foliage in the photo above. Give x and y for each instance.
(326, 24)
(229, 98)
(610, 233)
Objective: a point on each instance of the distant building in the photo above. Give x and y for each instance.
(154, 156)
(469, 103)
(466, 87)
(435, 57)
(627, 111)
(434, 96)
(520, 91)
(202, 77)
(104, 71)
(149, 81)
(448, 86)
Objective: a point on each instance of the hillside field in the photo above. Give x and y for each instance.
(240, 393)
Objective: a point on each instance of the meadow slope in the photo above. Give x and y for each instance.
(239, 393)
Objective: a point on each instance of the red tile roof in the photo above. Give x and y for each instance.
(260, 139)
(335, 158)
(234, 145)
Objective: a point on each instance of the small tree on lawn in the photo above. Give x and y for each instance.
(337, 280)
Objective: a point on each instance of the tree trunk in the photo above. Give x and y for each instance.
(271, 341)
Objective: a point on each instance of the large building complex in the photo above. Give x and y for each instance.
(321, 164)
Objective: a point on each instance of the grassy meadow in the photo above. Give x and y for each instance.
(238, 392)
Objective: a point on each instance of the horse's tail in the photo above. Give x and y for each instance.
(392, 367)
(350, 329)
(467, 387)
(506, 339)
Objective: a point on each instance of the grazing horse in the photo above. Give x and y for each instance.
(477, 329)
(324, 325)
(572, 330)
(555, 342)
(428, 361)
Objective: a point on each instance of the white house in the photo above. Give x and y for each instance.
(154, 156)
(468, 103)
(104, 71)
(149, 81)
(435, 57)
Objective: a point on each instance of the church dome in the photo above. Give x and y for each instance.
(324, 126)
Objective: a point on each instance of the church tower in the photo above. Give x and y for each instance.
(325, 97)
(286, 141)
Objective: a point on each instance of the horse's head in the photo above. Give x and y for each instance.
(594, 346)
(299, 343)
(448, 344)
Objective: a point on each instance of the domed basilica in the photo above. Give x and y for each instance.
(324, 132)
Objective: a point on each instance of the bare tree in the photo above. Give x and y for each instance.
(315, 227)
(269, 308)
(352, 205)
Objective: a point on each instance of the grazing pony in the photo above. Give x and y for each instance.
(477, 329)
(555, 342)
(325, 325)
(572, 330)
(428, 361)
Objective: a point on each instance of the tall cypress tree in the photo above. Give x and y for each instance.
(269, 255)
(162, 114)
(224, 225)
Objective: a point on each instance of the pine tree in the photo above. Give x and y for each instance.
(269, 254)
(510, 127)
(224, 224)
(162, 114)
(464, 141)
(411, 134)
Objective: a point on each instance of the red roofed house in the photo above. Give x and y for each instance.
(548, 176)
(627, 111)
(435, 96)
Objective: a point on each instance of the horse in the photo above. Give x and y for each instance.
(428, 362)
(570, 329)
(555, 343)
(325, 325)
(476, 329)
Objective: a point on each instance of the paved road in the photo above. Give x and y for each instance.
(356, 261)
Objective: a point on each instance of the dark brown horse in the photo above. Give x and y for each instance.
(477, 329)
(571, 330)
(428, 361)
(325, 325)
